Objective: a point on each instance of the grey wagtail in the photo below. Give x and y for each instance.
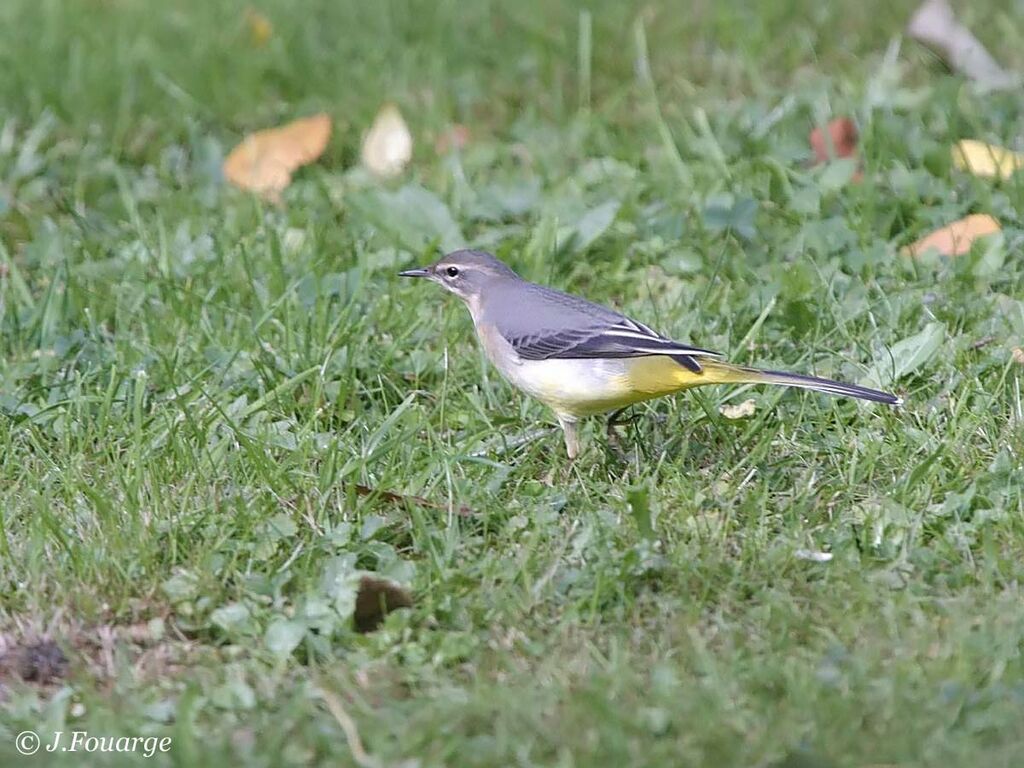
(580, 358)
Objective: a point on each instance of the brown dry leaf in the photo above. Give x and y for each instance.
(375, 599)
(955, 239)
(259, 26)
(986, 160)
(265, 160)
(843, 134)
(1018, 355)
(741, 411)
(387, 147)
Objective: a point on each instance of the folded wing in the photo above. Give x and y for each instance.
(625, 338)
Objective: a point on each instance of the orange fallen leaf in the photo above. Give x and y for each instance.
(387, 148)
(259, 26)
(843, 134)
(265, 160)
(986, 160)
(955, 239)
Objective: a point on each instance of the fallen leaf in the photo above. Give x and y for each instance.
(452, 138)
(259, 26)
(838, 142)
(986, 160)
(935, 26)
(387, 147)
(842, 135)
(741, 411)
(375, 599)
(955, 239)
(265, 160)
(1018, 355)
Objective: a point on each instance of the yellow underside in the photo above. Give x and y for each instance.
(641, 378)
(656, 376)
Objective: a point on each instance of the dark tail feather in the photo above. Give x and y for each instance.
(823, 385)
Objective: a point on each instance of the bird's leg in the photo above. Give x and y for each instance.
(572, 435)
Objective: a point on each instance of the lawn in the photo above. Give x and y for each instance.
(217, 412)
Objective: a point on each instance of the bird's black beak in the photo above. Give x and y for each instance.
(418, 272)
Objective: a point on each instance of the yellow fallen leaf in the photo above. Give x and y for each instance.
(265, 160)
(259, 26)
(387, 148)
(741, 411)
(955, 239)
(986, 160)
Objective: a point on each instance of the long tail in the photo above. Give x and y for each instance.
(718, 372)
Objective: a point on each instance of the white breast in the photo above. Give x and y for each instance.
(577, 387)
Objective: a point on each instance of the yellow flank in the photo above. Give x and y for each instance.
(656, 376)
(584, 387)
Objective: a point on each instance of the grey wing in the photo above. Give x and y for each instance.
(586, 330)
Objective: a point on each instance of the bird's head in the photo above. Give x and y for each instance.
(465, 273)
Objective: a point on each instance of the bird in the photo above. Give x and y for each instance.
(582, 359)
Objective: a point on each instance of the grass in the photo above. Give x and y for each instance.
(196, 390)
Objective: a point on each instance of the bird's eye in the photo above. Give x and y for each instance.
(452, 271)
